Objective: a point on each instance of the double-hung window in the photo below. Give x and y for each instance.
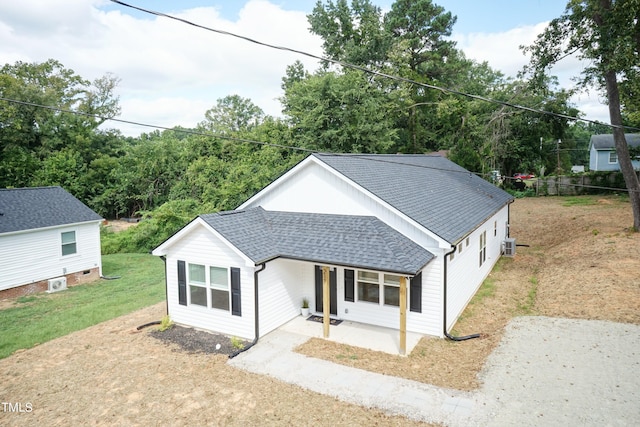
(368, 287)
(483, 247)
(613, 157)
(219, 284)
(68, 243)
(391, 290)
(198, 284)
(209, 287)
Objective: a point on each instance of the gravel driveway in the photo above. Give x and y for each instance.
(545, 372)
(559, 372)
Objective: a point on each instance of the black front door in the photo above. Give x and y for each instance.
(333, 291)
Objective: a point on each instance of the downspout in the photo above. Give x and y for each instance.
(256, 313)
(166, 291)
(444, 315)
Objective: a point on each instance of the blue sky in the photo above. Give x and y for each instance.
(171, 74)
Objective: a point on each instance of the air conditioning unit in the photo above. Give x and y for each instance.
(57, 284)
(509, 248)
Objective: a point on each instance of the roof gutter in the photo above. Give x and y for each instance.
(444, 313)
(256, 313)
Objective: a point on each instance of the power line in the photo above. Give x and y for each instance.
(363, 156)
(130, 122)
(369, 71)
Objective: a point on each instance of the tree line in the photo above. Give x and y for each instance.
(174, 174)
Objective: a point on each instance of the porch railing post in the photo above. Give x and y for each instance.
(325, 300)
(403, 315)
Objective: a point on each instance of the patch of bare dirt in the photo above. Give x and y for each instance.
(581, 262)
(116, 225)
(112, 374)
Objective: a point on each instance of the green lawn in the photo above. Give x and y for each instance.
(43, 317)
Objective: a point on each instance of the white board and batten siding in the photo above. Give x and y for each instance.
(31, 256)
(315, 189)
(201, 246)
(281, 287)
(465, 274)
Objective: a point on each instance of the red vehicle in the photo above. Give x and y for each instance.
(523, 175)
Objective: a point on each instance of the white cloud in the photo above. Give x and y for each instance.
(170, 72)
(502, 51)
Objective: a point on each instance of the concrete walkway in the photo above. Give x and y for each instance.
(545, 372)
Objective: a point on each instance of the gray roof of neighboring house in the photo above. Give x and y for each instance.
(605, 141)
(346, 240)
(443, 197)
(30, 208)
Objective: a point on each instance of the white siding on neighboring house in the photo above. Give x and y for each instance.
(201, 246)
(465, 275)
(35, 255)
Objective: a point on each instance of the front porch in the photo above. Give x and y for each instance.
(355, 334)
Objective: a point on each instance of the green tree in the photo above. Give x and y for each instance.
(605, 33)
(232, 114)
(340, 112)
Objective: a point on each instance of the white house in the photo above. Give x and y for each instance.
(602, 152)
(48, 239)
(406, 240)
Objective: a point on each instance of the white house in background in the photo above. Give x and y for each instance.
(602, 152)
(371, 219)
(45, 234)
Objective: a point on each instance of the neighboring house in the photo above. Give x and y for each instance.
(46, 233)
(602, 152)
(371, 219)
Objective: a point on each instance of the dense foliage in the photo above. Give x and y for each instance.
(170, 176)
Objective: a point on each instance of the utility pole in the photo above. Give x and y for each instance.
(558, 152)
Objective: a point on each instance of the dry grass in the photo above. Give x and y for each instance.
(582, 262)
(110, 375)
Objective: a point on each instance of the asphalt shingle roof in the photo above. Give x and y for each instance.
(435, 192)
(31, 208)
(346, 240)
(605, 141)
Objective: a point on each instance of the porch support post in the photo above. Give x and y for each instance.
(403, 315)
(326, 301)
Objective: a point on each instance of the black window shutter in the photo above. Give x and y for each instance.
(415, 293)
(348, 285)
(236, 308)
(182, 283)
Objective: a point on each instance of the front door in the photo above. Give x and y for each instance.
(333, 291)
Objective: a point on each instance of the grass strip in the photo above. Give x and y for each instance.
(43, 317)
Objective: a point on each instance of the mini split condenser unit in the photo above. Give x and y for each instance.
(57, 284)
(509, 247)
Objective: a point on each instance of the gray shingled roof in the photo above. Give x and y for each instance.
(438, 194)
(605, 141)
(346, 240)
(31, 208)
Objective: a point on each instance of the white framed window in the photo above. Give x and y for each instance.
(483, 247)
(208, 287)
(391, 290)
(613, 157)
(197, 281)
(368, 286)
(219, 284)
(68, 239)
(495, 228)
(371, 286)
